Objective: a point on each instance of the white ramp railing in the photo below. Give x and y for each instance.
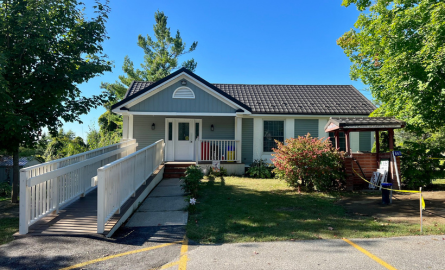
(46, 187)
(119, 180)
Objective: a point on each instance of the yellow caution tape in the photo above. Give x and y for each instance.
(398, 190)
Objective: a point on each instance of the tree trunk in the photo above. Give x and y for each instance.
(15, 176)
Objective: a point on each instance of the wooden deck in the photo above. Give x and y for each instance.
(80, 217)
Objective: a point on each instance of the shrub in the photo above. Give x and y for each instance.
(260, 168)
(222, 172)
(5, 189)
(309, 162)
(421, 163)
(192, 178)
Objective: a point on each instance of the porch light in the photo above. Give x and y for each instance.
(153, 126)
(212, 128)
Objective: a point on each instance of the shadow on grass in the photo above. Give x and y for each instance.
(230, 212)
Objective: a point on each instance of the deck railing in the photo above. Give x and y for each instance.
(223, 150)
(119, 180)
(46, 187)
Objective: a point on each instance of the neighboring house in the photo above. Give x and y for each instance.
(200, 121)
(6, 166)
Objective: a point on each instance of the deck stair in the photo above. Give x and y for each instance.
(175, 170)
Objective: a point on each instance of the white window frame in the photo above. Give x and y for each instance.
(262, 135)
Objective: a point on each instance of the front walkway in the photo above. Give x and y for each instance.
(165, 206)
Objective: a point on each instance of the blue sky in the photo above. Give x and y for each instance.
(251, 42)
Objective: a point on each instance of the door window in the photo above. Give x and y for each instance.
(183, 131)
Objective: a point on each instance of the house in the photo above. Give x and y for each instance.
(235, 123)
(6, 166)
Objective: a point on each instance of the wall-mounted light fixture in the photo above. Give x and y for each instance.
(212, 128)
(184, 82)
(153, 126)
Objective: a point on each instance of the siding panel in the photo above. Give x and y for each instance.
(144, 135)
(164, 102)
(247, 141)
(365, 141)
(305, 126)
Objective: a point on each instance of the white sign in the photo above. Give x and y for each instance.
(216, 165)
(384, 165)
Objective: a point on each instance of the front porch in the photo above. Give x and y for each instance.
(189, 138)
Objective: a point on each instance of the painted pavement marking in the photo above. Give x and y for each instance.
(120, 255)
(370, 255)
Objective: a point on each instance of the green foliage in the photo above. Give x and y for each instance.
(161, 56)
(260, 169)
(397, 50)
(384, 142)
(309, 162)
(100, 138)
(421, 163)
(5, 189)
(64, 144)
(222, 172)
(192, 179)
(48, 48)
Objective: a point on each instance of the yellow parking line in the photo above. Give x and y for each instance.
(119, 255)
(183, 258)
(370, 255)
(168, 265)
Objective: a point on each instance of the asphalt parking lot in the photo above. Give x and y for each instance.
(164, 248)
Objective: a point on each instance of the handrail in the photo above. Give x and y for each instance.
(119, 180)
(45, 188)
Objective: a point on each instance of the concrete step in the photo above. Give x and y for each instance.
(175, 170)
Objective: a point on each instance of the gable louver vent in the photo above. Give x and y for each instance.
(183, 92)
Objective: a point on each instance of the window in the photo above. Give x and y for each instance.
(342, 140)
(183, 131)
(273, 130)
(170, 131)
(184, 92)
(196, 130)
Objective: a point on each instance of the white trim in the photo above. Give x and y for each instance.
(179, 77)
(170, 145)
(181, 113)
(184, 97)
(302, 115)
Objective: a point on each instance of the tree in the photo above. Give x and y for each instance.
(161, 59)
(48, 48)
(397, 49)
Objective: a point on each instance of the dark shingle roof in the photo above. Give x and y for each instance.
(344, 121)
(7, 161)
(280, 99)
(300, 99)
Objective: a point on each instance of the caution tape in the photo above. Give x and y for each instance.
(390, 189)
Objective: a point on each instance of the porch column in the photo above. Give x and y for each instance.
(238, 137)
(337, 139)
(377, 142)
(130, 127)
(391, 139)
(348, 143)
(125, 120)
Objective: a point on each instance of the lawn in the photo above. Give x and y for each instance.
(237, 209)
(9, 219)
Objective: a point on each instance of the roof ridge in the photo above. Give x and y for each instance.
(287, 84)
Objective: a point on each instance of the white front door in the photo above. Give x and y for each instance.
(184, 139)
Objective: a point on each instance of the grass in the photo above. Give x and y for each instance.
(8, 226)
(236, 209)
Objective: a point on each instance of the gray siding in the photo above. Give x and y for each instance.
(224, 127)
(163, 102)
(142, 131)
(144, 135)
(365, 141)
(247, 141)
(305, 126)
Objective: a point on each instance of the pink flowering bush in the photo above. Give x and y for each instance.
(309, 162)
